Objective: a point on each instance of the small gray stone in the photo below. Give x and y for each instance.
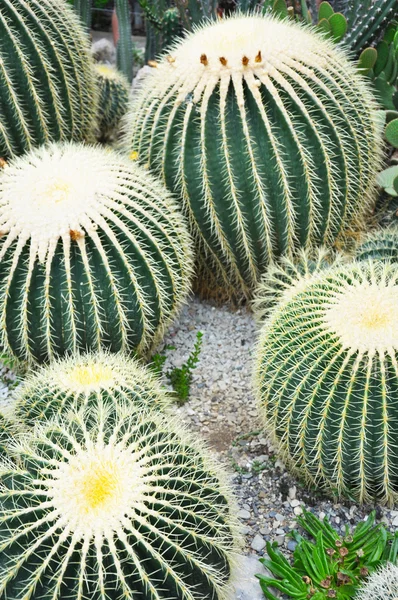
(258, 543)
(294, 503)
(291, 545)
(245, 583)
(243, 514)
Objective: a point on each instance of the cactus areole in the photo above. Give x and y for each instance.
(268, 135)
(327, 376)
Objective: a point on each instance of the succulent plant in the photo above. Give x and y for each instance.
(125, 43)
(289, 276)
(111, 505)
(93, 254)
(370, 24)
(114, 90)
(47, 85)
(8, 431)
(327, 380)
(381, 244)
(271, 146)
(87, 380)
(381, 585)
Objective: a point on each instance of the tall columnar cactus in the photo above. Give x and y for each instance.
(114, 90)
(93, 254)
(125, 42)
(381, 585)
(104, 506)
(289, 276)
(381, 244)
(47, 84)
(371, 24)
(327, 380)
(87, 380)
(268, 135)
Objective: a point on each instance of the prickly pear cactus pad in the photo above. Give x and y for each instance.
(114, 89)
(86, 380)
(93, 254)
(327, 380)
(268, 135)
(114, 506)
(47, 83)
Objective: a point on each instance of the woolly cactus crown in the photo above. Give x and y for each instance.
(93, 253)
(111, 506)
(47, 83)
(327, 379)
(86, 380)
(266, 132)
(381, 585)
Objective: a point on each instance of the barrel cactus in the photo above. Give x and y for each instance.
(114, 90)
(93, 254)
(8, 431)
(287, 277)
(114, 506)
(327, 380)
(269, 136)
(47, 85)
(381, 585)
(381, 244)
(87, 380)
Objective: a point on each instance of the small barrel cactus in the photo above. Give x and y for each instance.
(93, 254)
(8, 430)
(381, 244)
(114, 90)
(114, 506)
(87, 380)
(381, 585)
(47, 85)
(289, 276)
(327, 380)
(268, 135)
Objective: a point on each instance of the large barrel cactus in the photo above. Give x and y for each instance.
(381, 585)
(381, 244)
(87, 380)
(93, 254)
(327, 380)
(47, 84)
(114, 506)
(114, 90)
(266, 132)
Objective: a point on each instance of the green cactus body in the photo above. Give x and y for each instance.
(381, 244)
(327, 380)
(87, 380)
(381, 585)
(170, 26)
(8, 430)
(114, 90)
(47, 84)
(114, 506)
(270, 145)
(370, 27)
(289, 276)
(93, 254)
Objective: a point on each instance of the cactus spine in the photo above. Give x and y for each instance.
(327, 380)
(370, 27)
(114, 90)
(270, 146)
(87, 380)
(125, 42)
(47, 84)
(93, 254)
(381, 585)
(381, 244)
(111, 506)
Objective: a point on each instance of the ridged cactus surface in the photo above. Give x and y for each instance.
(8, 430)
(93, 254)
(268, 135)
(381, 585)
(87, 380)
(289, 276)
(327, 380)
(114, 89)
(106, 506)
(47, 85)
(381, 244)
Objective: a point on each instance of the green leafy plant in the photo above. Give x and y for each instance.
(257, 162)
(179, 377)
(330, 566)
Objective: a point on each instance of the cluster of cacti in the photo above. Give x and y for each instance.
(327, 380)
(163, 26)
(47, 84)
(381, 585)
(93, 254)
(105, 504)
(114, 91)
(270, 146)
(87, 380)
